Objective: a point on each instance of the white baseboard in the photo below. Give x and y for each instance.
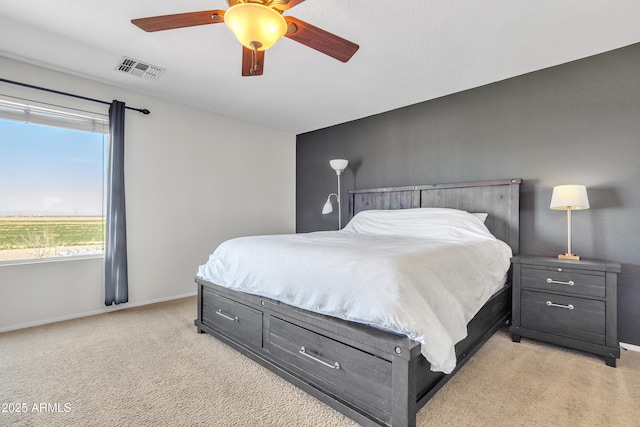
(94, 312)
(630, 347)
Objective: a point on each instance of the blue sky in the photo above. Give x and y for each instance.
(47, 170)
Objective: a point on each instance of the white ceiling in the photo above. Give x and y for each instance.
(410, 51)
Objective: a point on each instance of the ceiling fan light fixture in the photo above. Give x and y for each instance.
(254, 25)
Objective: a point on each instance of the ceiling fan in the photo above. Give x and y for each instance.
(257, 24)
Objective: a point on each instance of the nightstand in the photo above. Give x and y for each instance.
(566, 302)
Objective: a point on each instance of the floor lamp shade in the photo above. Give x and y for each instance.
(328, 207)
(569, 198)
(339, 165)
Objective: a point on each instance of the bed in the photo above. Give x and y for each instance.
(373, 375)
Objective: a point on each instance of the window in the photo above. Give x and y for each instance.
(52, 174)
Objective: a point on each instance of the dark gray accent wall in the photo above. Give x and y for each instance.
(577, 123)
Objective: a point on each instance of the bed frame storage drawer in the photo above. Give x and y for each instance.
(358, 377)
(579, 318)
(232, 318)
(564, 280)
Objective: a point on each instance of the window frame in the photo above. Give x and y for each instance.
(35, 112)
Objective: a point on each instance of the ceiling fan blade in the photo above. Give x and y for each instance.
(286, 4)
(179, 20)
(320, 40)
(248, 63)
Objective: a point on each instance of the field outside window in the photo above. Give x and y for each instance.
(51, 188)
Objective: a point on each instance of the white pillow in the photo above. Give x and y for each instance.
(418, 222)
(482, 216)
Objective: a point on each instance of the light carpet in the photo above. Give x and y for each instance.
(147, 366)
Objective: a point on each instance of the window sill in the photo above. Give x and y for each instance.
(49, 260)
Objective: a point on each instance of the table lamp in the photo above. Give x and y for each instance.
(569, 198)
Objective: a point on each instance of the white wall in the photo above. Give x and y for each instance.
(193, 180)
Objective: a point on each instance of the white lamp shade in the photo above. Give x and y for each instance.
(328, 207)
(339, 165)
(572, 197)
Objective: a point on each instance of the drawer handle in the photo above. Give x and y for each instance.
(568, 307)
(234, 318)
(303, 351)
(550, 280)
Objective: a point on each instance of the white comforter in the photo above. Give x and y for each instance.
(423, 273)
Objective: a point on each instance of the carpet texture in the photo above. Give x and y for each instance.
(147, 366)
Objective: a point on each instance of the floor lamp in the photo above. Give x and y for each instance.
(569, 198)
(339, 165)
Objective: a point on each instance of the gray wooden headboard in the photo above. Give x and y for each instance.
(499, 198)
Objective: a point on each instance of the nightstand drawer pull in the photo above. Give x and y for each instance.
(550, 280)
(303, 351)
(234, 318)
(568, 307)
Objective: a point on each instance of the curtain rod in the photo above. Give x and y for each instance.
(141, 110)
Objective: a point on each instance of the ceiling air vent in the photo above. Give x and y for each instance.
(139, 69)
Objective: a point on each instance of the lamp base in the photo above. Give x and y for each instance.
(568, 256)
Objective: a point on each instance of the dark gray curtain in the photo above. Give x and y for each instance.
(116, 282)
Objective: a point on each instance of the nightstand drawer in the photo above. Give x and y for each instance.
(569, 316)
(565, 281)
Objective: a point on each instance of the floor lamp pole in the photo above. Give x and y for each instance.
(339, 205)
(339, 165)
